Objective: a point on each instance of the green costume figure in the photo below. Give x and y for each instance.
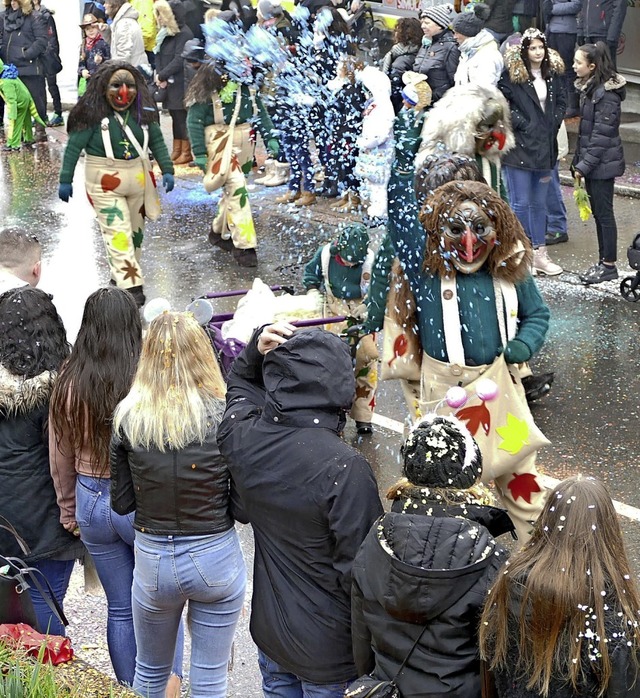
(343, 270)
(20, 107)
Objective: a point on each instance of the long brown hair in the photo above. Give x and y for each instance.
(564, 583)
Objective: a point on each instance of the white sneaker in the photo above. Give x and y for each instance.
(269, 171)
(543, 265)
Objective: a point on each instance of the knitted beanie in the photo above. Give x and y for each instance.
(410, 95)
(268, 9)
(440, 14)
(440, 452)
(472, 21)
(353, 243)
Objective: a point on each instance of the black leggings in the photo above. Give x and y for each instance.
(179, 124)
(601, 194)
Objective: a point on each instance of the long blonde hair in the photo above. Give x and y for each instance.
(178, 390)
(572, 575)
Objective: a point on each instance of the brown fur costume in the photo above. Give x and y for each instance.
(502, 262)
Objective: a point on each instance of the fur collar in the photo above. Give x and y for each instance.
(163, 13)
(19, 396)
(518, 73)
(614, 83)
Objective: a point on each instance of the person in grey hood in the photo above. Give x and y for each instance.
(427, 565)
(310, 499)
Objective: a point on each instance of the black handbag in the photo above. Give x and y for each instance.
(160, 93)
(368, 686)
(16, 577)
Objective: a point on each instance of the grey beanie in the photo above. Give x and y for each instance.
(269, 9)
(440, 452)
(440, 14)
(471, 22)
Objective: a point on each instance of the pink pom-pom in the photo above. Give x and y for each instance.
(456, 397)
(486, 389)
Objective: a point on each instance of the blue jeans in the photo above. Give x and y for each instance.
(209, 573)
(528, 198)
(109, 539)
(279, 683)
(556, 210)
(58, 574)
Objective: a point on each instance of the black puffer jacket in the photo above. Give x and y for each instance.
(173, 493)
(417, 570)
(535, 130)
(398, 61)
(599, 153)
(439, 63)
(309, 497)
(169, 61)
(23, 39)
(27, 495)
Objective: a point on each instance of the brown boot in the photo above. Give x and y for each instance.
(185, 154)
(342, 201)
(288, 197)
(177, 149)
(353, 204)
(307, 198)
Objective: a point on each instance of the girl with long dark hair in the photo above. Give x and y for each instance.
(599, 156)
(563, 618)
(532, 84)
(33, 345)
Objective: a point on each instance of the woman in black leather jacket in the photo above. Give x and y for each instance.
(165, 465)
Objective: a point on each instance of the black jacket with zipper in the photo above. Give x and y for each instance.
(181, 493)
(23, 41)
(439, 62)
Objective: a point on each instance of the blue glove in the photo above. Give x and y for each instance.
(516, 352)
(65, 191)
(273, 147)
(168, 182)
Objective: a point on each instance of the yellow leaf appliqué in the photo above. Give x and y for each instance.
(515, 434)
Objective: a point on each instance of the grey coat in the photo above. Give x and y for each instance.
(563, 17)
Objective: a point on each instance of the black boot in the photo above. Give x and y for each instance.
(245, 258)
(218, 241)
(138, 295)
(536, 387)
(364, 428)
(41, 134)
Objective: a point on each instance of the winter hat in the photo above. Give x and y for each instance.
(410, 95)
(440, 452)
(194, 51)
(268, 9)
(472, 21)
(353, 243)
(440, 14)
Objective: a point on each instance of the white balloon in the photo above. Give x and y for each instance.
(155, 307)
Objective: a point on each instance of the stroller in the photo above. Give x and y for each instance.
(630, 285)
(227, 350)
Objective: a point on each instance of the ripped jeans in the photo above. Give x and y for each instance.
(528, 198)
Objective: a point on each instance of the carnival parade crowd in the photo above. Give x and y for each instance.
(145, 454)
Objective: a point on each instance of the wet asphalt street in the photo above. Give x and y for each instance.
(591, 415)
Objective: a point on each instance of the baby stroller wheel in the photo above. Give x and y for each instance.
(630, 288)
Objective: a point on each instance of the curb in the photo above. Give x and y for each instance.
(620, 189)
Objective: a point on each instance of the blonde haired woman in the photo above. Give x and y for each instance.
(165, 465)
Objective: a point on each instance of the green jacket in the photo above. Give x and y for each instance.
(200, 115)
(90, 140)
(476, 297)
(344, 281)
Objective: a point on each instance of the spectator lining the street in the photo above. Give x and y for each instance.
(20, 259)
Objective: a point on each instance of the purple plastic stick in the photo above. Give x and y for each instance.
(239, 292)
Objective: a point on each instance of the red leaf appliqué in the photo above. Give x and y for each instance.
(475, 417)
(524, 485)
(399, 347)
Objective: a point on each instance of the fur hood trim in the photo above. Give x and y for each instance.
(518, 73)
(614, 83)
(165, 17)
(25, 6)
(21, 396)
(453, 122)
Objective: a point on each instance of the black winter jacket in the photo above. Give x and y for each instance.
(27, 494)
(416, 570)
(599, 152)
(535, 131)
(398, 61)
(182, 493)
(309, 497)
(501, 16)
(169, 62)
(602, 19)
(51, 57)
(23, 41)
(439, 63)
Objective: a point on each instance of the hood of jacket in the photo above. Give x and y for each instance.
(21, 396)
(518, 73)
(425, 564)
(376, 82)
(617, 83)
(171, 14)
(473, 44)
(309, 381)
(127, 11)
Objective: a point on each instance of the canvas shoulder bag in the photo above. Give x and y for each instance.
(219, 141)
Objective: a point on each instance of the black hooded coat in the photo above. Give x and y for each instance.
(309, 497)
